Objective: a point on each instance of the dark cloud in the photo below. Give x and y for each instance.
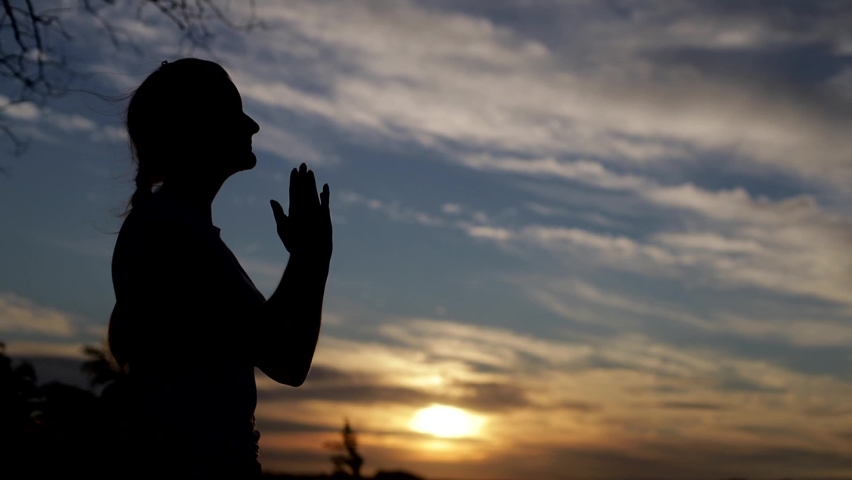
(828, 411)
(493, 397)
(823, 19)
(363, 393)
(818, 359)
(584, 407)
(338, 386)
(793, 66)
(770, 431)
(661, 389)
(324, 374)
(793, 460)
(267, 425)
(733, 381)
(691, 406)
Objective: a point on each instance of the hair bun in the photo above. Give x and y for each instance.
(164, 62)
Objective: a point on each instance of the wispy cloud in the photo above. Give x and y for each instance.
(392, 209)
(668, 181)
(21, 315)
(439, 77)
(592, 388)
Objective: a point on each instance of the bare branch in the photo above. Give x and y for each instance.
(31, 42)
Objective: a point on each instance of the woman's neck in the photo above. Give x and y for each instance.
(196, 194)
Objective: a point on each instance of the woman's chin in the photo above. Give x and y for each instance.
(247, 161)
(238, 162)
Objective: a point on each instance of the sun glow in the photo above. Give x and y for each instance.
(446, 421)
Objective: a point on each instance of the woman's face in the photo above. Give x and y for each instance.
(229, 132)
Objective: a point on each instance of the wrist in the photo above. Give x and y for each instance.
(313, 260)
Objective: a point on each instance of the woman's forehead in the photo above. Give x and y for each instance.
(232, 93)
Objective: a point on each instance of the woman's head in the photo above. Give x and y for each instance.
(186, 121)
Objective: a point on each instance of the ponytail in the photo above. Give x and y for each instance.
(144, 184)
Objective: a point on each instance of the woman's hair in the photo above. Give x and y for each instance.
(167, 117)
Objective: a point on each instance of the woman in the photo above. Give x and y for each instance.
(188, 325)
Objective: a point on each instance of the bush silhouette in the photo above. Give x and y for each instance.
(56, 430)
(349, 459)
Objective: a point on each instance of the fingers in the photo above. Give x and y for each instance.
(294, 188)
(311, 189)
(324, 196)
(282, 223)
(277, 211)
(303, 190)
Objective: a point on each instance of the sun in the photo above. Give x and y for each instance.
(446, 421)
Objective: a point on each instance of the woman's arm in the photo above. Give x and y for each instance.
(288, 323)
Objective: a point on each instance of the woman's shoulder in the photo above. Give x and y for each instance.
(161, 214)
(151, 227)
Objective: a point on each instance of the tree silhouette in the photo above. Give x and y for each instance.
(104, 371)
(100, 366)
(56, 430)
(20, 402)
(19, 394)
(33, 37)
(349, 458)
(74, 429)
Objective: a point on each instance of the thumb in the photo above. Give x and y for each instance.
(280, 217)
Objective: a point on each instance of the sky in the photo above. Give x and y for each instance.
(612, 236)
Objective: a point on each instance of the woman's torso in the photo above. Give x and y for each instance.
(185, 312)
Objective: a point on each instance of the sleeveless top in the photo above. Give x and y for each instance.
(185, 311)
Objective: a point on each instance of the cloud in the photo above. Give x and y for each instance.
(21, 315)
(365, 389)
(31, 349)
(69, 122)
(588, 172)
(691, 406)
(487, 232)
(293, 147)
(699, 165)
(110, 133)
(20, 110)
(442, 78)
(723, 238)
(626, 395)
(42, 122)
(451, 208)
(578, 300)
(728, 236)
(393, 210)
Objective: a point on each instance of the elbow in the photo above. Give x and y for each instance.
(287, 368)
(292, 377)
(296, 381)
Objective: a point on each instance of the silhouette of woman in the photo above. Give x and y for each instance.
(188, 325)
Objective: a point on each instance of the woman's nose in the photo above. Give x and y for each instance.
(253, 126)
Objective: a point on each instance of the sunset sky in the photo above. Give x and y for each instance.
(600, 239)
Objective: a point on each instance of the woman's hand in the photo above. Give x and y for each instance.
(306, 231)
